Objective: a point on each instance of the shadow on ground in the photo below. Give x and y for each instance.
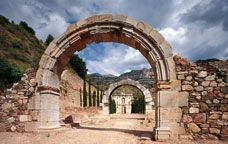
(139, 133)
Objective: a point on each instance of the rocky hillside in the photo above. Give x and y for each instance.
(144, 76)
(19, 45)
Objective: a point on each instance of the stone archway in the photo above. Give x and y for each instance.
(114, 86)
(107, 28)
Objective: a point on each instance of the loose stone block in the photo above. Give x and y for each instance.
(180, 77)
(11, 119)
(204, 107)
(214, 130)
(224, 130)
(225, 116)
(199, 88)
(205, 83)
(189, 78)
(187, 119)
(202, 74)
(187, 88)
(213, 84)
(193, 110)
(216, 101)
(210, 78)
(194, 128)
(214, 116)
(25, 118)
(199, 118)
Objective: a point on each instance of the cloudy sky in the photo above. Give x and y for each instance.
(196, 29)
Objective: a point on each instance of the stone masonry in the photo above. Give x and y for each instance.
(207, 91)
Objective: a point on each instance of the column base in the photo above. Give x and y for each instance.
(35, 126)
(50, 125)
(162, 133)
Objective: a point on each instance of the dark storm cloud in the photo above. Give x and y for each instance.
(208, 15)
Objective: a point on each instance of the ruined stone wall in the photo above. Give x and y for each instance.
(207, 114)
(14, 111)
(71, 88)
(13, 103)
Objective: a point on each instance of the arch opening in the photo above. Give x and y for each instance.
(104, 28)
(147, 97)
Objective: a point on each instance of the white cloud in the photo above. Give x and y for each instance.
(116, 60)
(174, 35)
(55, 25)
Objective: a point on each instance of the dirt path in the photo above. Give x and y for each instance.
(118, 130)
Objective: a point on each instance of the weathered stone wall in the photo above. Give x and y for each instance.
(71, 87)
(14, 111)
(207, 114)
(13, 103)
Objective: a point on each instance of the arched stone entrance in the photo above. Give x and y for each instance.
(107, 28)
(114, 86)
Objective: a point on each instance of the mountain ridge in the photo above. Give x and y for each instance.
(144, 76)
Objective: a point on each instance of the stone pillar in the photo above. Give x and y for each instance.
(49, 109)
(166, 108)
(44, 109)
(105, 105)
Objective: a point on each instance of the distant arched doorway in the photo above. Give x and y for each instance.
(112, 87)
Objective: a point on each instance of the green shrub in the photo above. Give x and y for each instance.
(78, 65)
(112, 106)
(138, 105)
(26, 27)
(3, 20)
(9, 74)
(49, 39)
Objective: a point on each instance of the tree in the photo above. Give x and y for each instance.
(98, 100)
(112, 106)
(80, 96)
(90, 96)
(3, 20)
(94, 98)
(49, 39)
(78, 65)
(101, 97)
(26, 27)
(84, 93)
(9, 74)
(138, 105)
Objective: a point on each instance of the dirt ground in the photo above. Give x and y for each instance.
(117, 130)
